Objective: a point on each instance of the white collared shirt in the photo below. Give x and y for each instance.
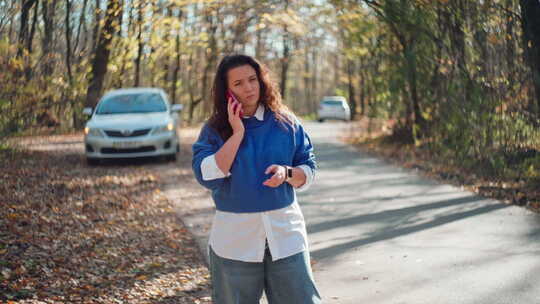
(242, 236)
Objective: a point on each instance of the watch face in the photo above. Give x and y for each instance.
(289, 172)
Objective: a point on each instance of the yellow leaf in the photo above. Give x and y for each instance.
(141, 277)
(493, 38)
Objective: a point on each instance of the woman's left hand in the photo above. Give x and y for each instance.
(280, 174)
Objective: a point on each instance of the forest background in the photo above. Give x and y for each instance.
(459, 79)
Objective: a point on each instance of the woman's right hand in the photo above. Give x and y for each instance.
(233, 109)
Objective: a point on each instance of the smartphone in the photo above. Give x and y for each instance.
(230, 94)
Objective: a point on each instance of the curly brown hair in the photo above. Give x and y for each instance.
(269, 95)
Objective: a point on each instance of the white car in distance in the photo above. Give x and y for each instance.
(334, 107)
(133, 122)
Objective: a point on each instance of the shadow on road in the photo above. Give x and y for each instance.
(387, 234)
(389, 215)
(357, 191)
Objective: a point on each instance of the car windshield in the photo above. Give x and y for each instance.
(132, 103)
(332, 102)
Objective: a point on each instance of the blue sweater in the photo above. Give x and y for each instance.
(265, 143)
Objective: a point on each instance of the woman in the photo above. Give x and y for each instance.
(252, 154)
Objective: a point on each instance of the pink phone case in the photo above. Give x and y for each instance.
(230, 94)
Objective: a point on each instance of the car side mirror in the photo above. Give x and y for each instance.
(177, 107)
(87, 111)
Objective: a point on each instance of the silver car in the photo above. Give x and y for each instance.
(334, 107)
(135, 122)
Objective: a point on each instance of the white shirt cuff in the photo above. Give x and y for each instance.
(210, 169)
(309, 178)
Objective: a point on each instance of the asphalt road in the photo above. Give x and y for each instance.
(383, 234)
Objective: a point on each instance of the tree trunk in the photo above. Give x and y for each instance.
(259, 43)
(97, 20)
(74, 117)
(26, 35)
(103, 50)
(307, 72)
(458, 45)
(29, 43)
(81, 51)
(68, 42)
(11, 23)
(123, 77)
(82, 20)
(362, 94)
(7, 18)
(157, 9)
(211, 58)
(30, 40)
(191, 90)
(314, 80)
(284, 64)
(530, 13)
(48, 12)
(140, 44)
(410, 57)
(285, 58)
(352, 95)
(174, 81)
(337, 75)
(23, 31)
(510, 47)
(241, 24)
(166, 38)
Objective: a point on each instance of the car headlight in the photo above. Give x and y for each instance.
(93, 132)
(164, 129)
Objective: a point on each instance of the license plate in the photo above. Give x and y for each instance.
(126, 144)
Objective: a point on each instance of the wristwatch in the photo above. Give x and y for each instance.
(289, 173)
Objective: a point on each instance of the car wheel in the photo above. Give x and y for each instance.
(171, 157)
(92, 161)
(321, 120)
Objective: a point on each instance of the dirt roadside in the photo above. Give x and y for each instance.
(73, 233)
